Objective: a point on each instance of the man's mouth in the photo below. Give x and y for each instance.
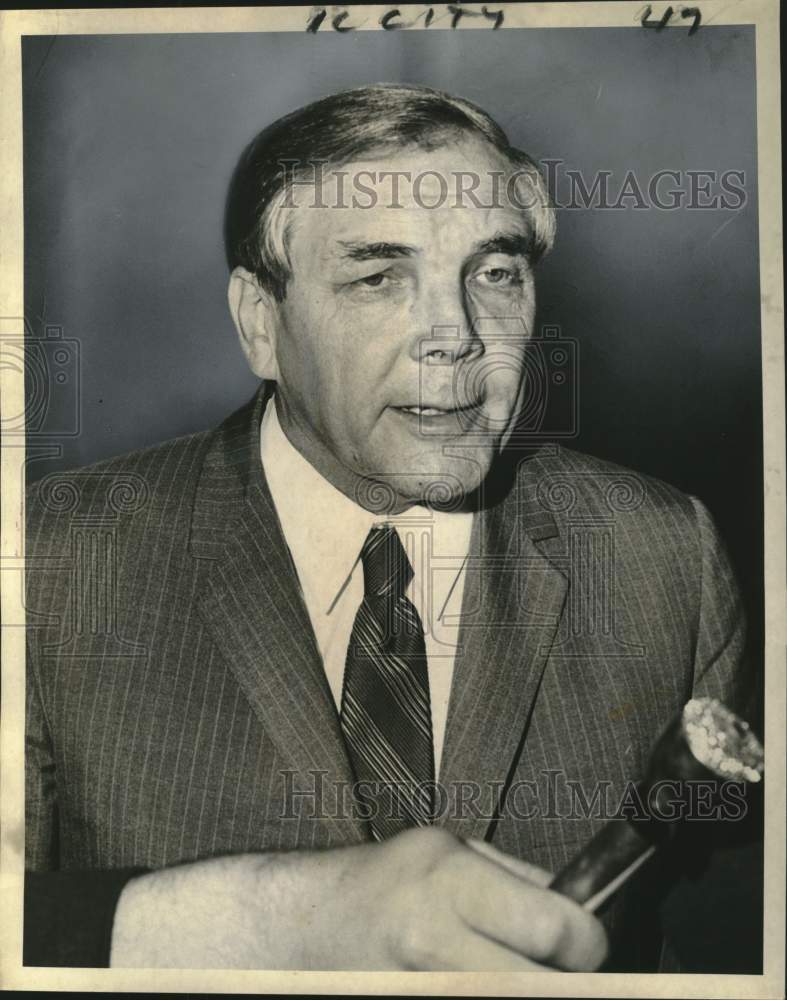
(436, 411)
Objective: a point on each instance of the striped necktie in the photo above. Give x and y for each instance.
(385, 714)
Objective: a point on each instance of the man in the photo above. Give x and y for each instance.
(304, 691)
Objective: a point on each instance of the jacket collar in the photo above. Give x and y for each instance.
(514, 596)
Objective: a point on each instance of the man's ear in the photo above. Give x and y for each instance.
(256, 319)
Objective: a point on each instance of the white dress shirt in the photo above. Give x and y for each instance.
(325, 532)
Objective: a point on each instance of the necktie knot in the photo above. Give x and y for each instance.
(386, 569)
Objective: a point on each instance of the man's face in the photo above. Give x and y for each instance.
(400, 342)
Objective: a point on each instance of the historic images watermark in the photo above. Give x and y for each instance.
(320, 184)
(664, 190)
(51, 367)
(35, 425)
(554, 796)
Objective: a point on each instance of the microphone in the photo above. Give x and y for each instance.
(705, 741)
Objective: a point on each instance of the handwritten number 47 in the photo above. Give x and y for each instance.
(647, 20)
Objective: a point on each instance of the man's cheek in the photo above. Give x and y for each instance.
(503, 381)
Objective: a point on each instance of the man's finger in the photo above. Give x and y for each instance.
(524, 869)
(467, 951)
(539, 924)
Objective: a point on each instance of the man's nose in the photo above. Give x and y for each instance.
(443, 328)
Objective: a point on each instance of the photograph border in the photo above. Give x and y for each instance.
(14, 25)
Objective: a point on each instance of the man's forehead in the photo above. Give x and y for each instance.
(465, 173)
(444, 194)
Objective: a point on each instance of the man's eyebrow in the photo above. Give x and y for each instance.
(513, 244)
(374, 251)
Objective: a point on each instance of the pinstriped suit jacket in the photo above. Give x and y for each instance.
(177, 706)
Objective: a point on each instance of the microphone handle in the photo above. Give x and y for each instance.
(604, 864)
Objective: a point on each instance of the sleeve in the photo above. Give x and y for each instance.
(721, 669)
(68, 915)
(712, 920)
(41, 846)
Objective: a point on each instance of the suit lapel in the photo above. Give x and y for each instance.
(252, 605)
(512, 604)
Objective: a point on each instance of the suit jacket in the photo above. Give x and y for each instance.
(178, 709)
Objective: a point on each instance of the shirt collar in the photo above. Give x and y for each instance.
(324, 529)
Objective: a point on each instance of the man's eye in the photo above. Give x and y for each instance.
(372, 280)
(376, 285)
(497, 276)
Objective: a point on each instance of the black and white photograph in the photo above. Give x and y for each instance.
(393, 499)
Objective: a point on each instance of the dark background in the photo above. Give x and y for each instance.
(130, 142)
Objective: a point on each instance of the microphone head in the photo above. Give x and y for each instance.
(705, 741)
(721, 741)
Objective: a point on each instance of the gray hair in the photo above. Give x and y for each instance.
(338, 129)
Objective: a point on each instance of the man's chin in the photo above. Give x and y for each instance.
(442, 488)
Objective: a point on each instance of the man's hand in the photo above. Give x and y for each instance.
(420, 901)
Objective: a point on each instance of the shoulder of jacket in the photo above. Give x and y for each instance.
(591, 480)
(156, 477)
